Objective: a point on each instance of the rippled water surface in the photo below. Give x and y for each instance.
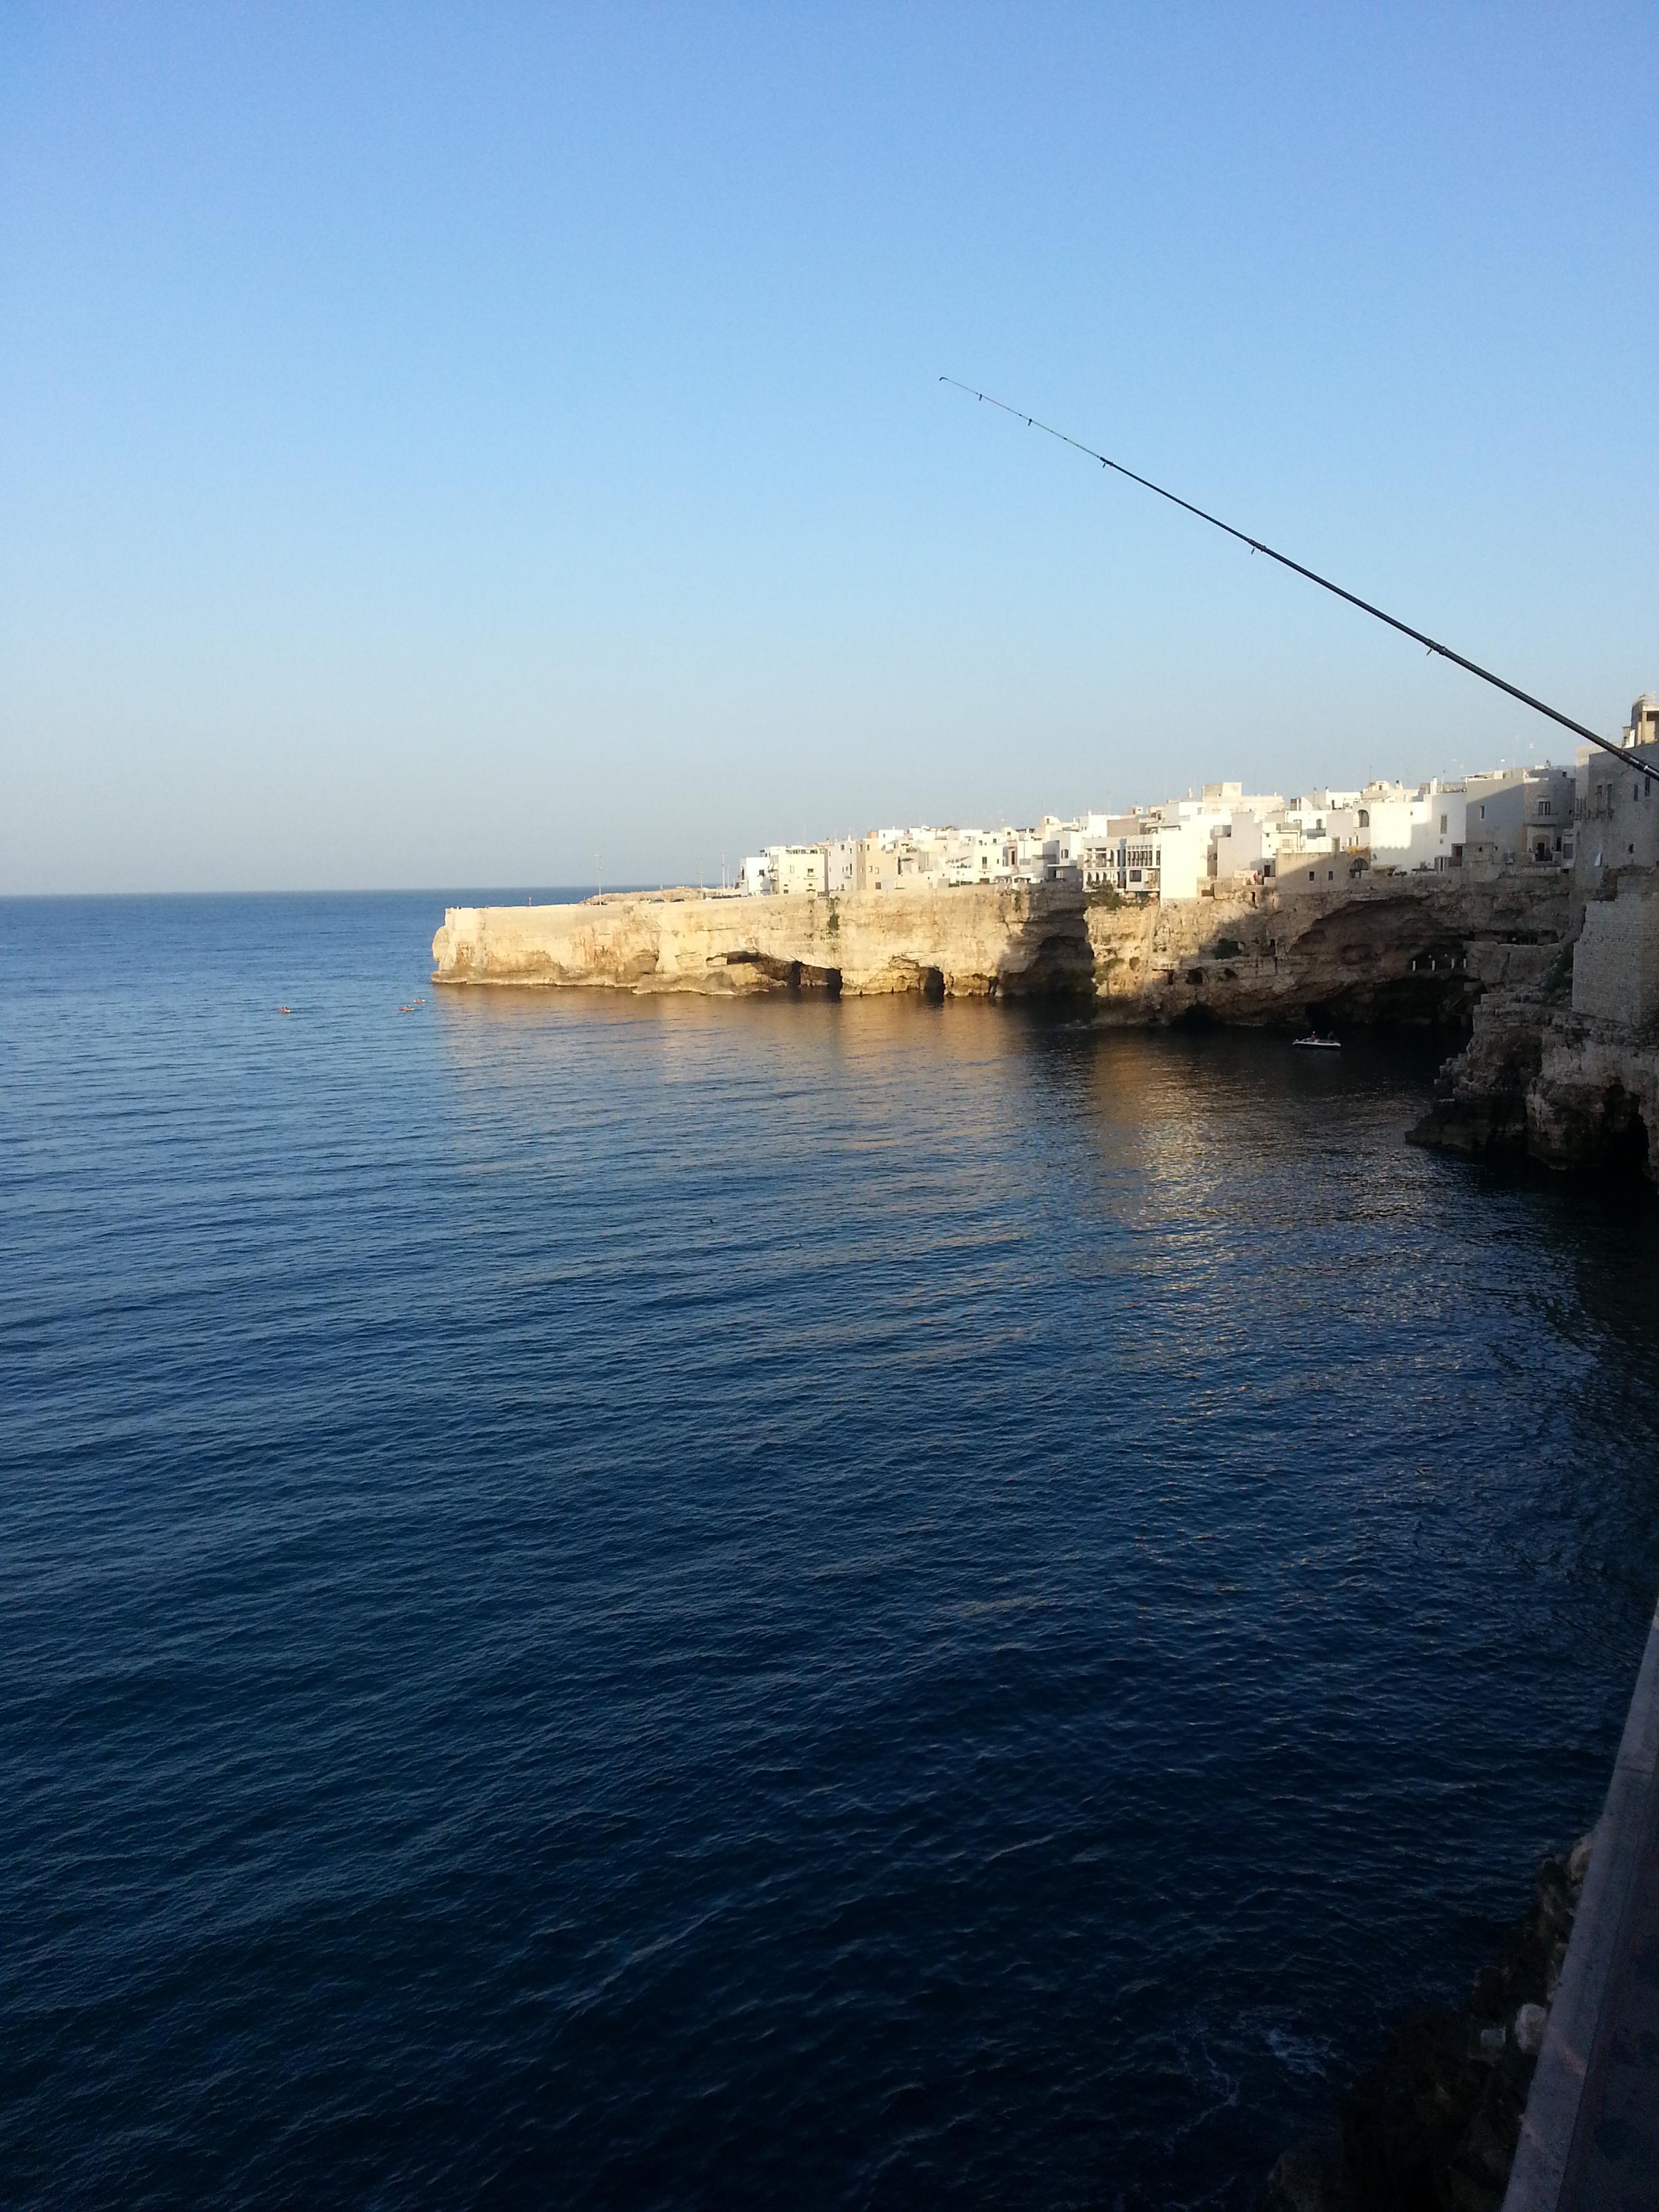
(659, 1603)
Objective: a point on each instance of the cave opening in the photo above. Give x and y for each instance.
(825, 981)
(1625, 1153)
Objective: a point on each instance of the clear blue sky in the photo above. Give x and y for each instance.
(444, 444)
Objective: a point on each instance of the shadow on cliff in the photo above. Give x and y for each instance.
(1414, 960)
(1388, 961)
(796, 977)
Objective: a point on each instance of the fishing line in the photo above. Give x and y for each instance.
(1313, 576)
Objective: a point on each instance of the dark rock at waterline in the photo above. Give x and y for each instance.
(1570, 1090)
(1433, 2126)
(1310, 2177)
(1436, 2123)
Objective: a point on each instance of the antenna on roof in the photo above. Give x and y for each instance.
(1314, 577)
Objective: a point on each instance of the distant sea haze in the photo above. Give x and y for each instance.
(658, 1602)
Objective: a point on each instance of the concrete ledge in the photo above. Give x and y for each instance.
(1561, 2109)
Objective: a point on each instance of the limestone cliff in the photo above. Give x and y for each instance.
(1480, 1102)
(1570, 1089)
(1566, 1068)
(976, 941)
(1421, 950)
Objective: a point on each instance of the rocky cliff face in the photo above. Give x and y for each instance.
(973, 942)
(1417, 950)
(1480, 1102)
(1566, 1067)
(1569, 1089)
(1421, 950)
(1595, 1098)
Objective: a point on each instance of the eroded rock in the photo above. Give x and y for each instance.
(1433, 2126)
(1418, 951)
(974, 941)
(1566, 1089)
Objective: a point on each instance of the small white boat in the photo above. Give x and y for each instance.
(1314, 1042)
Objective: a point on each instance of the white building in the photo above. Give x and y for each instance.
(1183, 855)
(891, 860)
(797, 871)
(1521, 816)
(1616, 813)
(839, 865)
(983, 856)
(1138, 857)
(1063, 846)
(1183, 848)
(1420, 827)
(1242, 848)
(1298, 873)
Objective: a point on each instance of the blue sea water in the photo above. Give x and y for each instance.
(648, 1602)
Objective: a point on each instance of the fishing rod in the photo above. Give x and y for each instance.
(1314, 577)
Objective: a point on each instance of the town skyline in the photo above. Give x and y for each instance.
(1527, 813)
